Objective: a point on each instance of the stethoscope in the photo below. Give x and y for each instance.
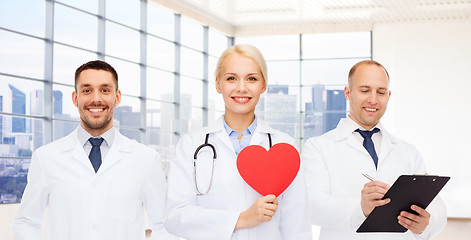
(195, 157)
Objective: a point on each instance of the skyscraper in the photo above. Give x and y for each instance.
(336, 106)
(18, 107)
(280, 109)
(1, 121)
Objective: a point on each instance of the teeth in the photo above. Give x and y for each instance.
(241, 99)
(96, 109)
(371, 109)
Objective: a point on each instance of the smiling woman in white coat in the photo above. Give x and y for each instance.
(207, 198)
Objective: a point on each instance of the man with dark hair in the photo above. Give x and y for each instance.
(95, 183)
(340, 196)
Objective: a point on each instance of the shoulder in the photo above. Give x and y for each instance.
(400, 142)
(276, 135)
(59, 144)
(326, 138)
(133, 145)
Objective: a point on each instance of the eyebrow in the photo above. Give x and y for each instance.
(250, 74)
(366, 86)
(88, 85)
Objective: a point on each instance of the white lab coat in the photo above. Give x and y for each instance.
(84, 205)
(214, 216)
(334, 163)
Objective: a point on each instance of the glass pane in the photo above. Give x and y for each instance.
(13, 173)
(283, 72)
(160, 85)
(63, 106)
(191, 34)
(23, 16)
(212, 62)
(16, 131)
(160, 116)
(279, 108)
(191, 119)
(191, 63)
(354, 44)
(84, 32)
(67, 60)
(122, 42)
(129, 81)
(20, 96)
(191, 92)
(131, 134)
(124, 11)
(128, 113)
(160, 53)
(275, 47)
(160, 22)
(324, 106)
(86, 5)
(62, 128)
(20, 49)
(217, 42)
(328, 72)
(215, 101)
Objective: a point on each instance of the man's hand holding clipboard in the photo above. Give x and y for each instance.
(400, 207)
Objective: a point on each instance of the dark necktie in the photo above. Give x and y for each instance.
(95, 153)
(368, 143)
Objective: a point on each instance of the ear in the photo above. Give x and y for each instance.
(389, 93)
(347, 93)
(74, 98)
(118, 98)
(218, 88)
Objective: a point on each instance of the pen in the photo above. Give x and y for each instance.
(368, 176)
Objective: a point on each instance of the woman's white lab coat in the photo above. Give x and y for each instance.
(214, 215)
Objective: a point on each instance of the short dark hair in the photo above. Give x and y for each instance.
(96, 65)
(365, 62)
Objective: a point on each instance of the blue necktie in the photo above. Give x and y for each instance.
(368, 143)
(95, 153)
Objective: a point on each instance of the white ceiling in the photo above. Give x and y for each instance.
(265, 17)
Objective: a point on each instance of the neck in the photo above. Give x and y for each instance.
(239, 122)
(96, 132)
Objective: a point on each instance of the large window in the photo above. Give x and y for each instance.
(306, 77)
(161, 59)
(165, 64)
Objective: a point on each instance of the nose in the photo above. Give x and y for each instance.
(373, 98)
(241, 86)
(96, 97)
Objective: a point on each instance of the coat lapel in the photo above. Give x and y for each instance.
(260, 134)
(73, 147)
(121, 146)
(387, 144)
(217, 128)
(343, 133)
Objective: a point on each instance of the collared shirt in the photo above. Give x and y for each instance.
(108, 137)
(246, 136)
(377, 137)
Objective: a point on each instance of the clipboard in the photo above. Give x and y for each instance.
(407, 190)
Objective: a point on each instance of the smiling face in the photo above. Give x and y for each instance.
(240, 82)
(96, 96)
(368, 94)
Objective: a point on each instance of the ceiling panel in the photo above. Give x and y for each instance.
(252, 17)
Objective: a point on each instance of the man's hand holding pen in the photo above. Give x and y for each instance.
(371, 196)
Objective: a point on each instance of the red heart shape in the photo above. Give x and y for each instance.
(269, 172)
